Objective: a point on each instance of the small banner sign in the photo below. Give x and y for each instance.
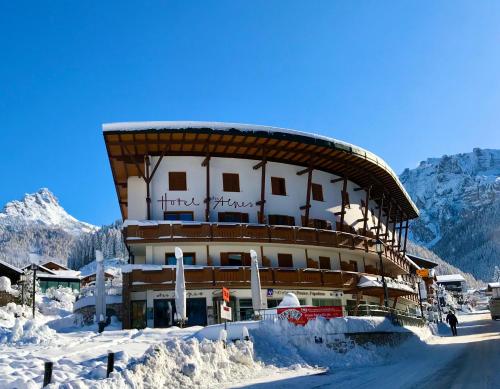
(424, 273)
(225, 294)
(226, 312)
(301, 315)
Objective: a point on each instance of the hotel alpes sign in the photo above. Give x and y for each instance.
(215, 200)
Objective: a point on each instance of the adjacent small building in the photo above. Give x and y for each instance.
(12, 272)
(51, 274)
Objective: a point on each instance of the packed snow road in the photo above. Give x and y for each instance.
(477, 364)
(469, 360)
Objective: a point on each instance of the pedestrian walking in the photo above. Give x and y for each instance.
(452, 320)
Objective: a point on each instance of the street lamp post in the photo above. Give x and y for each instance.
(33, 267)
(379, 248)
(22, 281)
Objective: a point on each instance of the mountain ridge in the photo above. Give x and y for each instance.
(459, 201)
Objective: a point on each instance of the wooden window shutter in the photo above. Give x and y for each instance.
(324, 263)
(278, 186)
(224, 260)
(246, 259)
(317, 192)
(231, 182)
(177, 181)
(285, 260)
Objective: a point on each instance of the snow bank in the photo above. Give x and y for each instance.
(5, 286)
(185, 363)
(26, 332)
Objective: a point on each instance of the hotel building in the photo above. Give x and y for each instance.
(310, 206)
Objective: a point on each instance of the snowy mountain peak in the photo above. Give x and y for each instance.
(42, 208)
(458, 197)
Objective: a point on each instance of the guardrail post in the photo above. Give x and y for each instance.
(47, 373)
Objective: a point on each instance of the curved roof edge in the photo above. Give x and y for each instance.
(223, 126)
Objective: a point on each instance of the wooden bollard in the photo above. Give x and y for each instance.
(111, 363)
(47, 373)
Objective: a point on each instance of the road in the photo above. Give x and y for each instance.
(469, 360)
(477, 364)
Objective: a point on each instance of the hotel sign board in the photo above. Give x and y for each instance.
(226, 312)
(301, 315)
(225, 294)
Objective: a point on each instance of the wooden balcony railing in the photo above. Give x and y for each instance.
(216, 277)
(188, 232)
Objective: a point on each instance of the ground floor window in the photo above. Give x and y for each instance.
(46, 284)
(326, 302)
(273, 303)
(246, 309)
(164, 312)
(138, 314)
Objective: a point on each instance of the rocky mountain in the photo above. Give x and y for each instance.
(39, 225)
(459, 201)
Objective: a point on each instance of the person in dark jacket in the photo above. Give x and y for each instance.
(452, 320)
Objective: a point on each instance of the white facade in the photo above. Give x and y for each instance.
(250, 188)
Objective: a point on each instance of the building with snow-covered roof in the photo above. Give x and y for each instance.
(51, 274)
(309, 205)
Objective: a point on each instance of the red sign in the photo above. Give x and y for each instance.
(225, 294)
(301, 315)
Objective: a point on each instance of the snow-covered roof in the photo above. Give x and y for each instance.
(372, 281)
(222, 126)
(72, 274)
(492, 285)
(450, 278)
(12, 267)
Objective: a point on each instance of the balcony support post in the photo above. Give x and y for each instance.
(367, 200)
(379, 219)
(343, 195)
(308, 196)
(387, 220)
(206, 164)
(262, 202)
(406, 237)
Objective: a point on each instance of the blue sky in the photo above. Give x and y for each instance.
(406, 80)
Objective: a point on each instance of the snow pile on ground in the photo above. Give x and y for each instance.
(26, 332)
(187, 363)
(289, 300)
(5, 286)
(58, 301)
(17, 327)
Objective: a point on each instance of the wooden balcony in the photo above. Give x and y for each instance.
(244, 233)
(215, 277)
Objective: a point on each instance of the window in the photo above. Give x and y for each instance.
(324, 263)
(178, 215)
(281, 220)
(317, 192)
(233, 217)
(188, 259)
(278, 186)
(177, 181)
(235, 259)
(285, 260)
(231, 182)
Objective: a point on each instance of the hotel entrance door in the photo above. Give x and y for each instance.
(164, 312)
